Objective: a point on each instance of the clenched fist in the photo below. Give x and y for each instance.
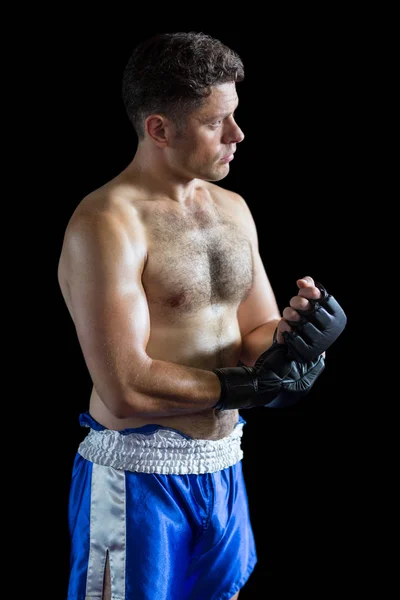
(312, 321)
(307, 290)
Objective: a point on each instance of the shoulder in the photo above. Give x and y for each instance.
(101, 213)
(99, 228)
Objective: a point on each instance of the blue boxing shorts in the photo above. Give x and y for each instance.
(169, 512)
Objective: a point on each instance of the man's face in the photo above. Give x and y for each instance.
(210, 136)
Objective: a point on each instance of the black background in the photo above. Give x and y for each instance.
(296, 169)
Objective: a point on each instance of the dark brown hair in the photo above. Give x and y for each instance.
(172, 73)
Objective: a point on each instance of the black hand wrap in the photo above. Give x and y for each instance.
(276, 380)
(317, 329)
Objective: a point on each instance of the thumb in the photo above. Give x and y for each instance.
(305, 282)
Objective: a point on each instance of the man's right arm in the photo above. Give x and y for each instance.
(104, 267)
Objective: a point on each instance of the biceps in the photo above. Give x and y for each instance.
(260, 306)
(112, 325)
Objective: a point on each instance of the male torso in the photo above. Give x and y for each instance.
(197, 269)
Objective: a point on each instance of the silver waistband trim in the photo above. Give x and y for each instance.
(164, 451)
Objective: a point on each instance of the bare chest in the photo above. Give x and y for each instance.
(196, 261)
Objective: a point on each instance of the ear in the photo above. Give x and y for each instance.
(158, 129)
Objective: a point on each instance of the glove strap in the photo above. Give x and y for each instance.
(239, 385)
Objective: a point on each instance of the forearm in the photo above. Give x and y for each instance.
(257, 341)
(165, 389)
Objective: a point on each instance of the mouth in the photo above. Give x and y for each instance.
(227, 158)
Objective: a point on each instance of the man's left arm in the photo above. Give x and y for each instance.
(258, 315)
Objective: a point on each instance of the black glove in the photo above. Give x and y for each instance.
(317, 329)
(286, 372)
(276, 380)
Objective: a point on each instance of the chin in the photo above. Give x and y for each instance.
(219, 176)
(216, 175)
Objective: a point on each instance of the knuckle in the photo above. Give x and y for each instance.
(305, 305)
(299, 303)
(284, 326)
(291, 314)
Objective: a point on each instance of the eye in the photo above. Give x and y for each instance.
(216, 123)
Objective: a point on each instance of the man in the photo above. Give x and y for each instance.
(161, 274)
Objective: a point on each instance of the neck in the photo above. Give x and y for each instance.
(150, 172)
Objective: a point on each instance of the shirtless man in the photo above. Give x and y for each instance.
(161, 274)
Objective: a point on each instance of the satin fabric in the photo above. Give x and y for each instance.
(168, 537)
(163, 451)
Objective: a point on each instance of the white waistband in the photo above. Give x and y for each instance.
(164, 451)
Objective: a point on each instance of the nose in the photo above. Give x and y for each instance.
(233, 134)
